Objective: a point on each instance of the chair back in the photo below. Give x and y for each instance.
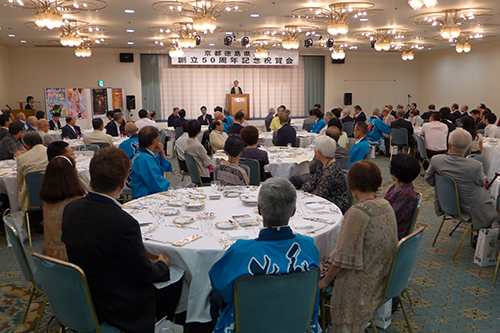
(275, 303)
(34, 182)
(369, 153)
(479, 158)
(344, 162)
(348, 128)
(254, 170)
(194, 173)
(481, 131)
(414, 215)
(447, 193)
(182, 166)
(351, 198)
(350, 144)
(81, 148)
(93, 148)
(458, 122)
(102, 144)
(178, 132)
(421, 148)
(399, 137)
(162, 137)
(19, 250)
(402, 264)
(307, 127)
(68, 293)
(297, 142)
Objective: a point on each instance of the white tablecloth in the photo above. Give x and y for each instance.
(73, 143)
(197, 258)
(8, 184)
(306, 138)
(55, 134)
(283, 162)
(491, 153)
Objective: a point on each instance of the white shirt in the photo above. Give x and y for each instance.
(492, 131)
(435, 134)
(145, 122)
(180, 145)
(416, 121)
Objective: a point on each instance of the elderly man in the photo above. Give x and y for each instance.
(377, 128)
(415, 119)
(116, 126)
(435, 134)
(430, 110)
(277, 247)
(106, 243)
(194, 148)
(5, 121)
(387, 117)
(276, 124)
(220, 116)
(475, 202)
(34, 160)
(455, 112)
(173, 117)
(346, 116)
(11, 145)
(286, 134)
(362, 146)
(237, 126)
(179, 122)
(130, 145)
(217, 137)
(359, 115)
(146, 174)
(145, 121)
(21, 117)
(97, 136)
(334, 133)
(43, 129)
(32, 123)
(204, 119)
(54, 123)
(403, 123)
(269, 118)
(70, 130)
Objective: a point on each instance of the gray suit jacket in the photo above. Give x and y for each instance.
(475, 202)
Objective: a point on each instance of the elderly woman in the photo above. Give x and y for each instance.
(319, 122)
(469, 125)
(250, 136)
(362, 258)
(344, 139)
(328, 181)
(404, 169)
(229, 172)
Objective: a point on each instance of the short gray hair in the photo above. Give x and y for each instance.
(272, 111)
(347, 111)
(460, 140)
(376, 112)
(328, 116)
(401, 112)
(465, 107)
(32, 138)
(277, 198)
(325, 145)
(117, 116)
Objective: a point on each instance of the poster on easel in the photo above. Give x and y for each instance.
(77, 102)
(55, 100)
(117, 99)
(100, 101)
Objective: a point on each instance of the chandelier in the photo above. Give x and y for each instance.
(450, 20)
(383, 38)
(408, 47)
(338, 54)
(83, 52)
(70, 40)
(261, 46)
(175, 52)
(417, 4)
(203, 12)
(408, 55)
(48, 13)
(462, 42)
(290, 34)
(336, 14)
(70, 36)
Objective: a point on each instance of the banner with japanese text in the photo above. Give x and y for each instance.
(236, 57)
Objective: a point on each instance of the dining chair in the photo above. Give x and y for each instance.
(35, 204)
(276, 303)
(350, 144)
(414, 215)
(447, 194)
(348, 128)
(182, 165)
(28, 273)
(399, 139)
(344, 162)
(422, 150)
(243, 166)
(93, 148)
(307, 127)
(194, 172)
(254, 170)
(297, 142)
(101, 145)
(68, 294)
(178, 132)
(400, 273)
(479, 158)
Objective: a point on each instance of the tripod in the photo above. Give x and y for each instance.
(408, 105)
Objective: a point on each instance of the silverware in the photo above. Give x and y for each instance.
(312, 231)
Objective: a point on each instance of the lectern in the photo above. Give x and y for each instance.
(237, 102)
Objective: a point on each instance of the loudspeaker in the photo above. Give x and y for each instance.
(348, 99)
(126, 57)
(130, 102)
(338, 61)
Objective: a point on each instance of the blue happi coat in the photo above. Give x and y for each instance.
(146, 173)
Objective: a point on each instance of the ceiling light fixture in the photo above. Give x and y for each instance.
(130, 30)
(408, 55)
(175, 52)
(83, 52)
(129, 11)
(130, 43)
(338, 54)
(254, 15)
(418, 4)
(384, 37)
(290, 34)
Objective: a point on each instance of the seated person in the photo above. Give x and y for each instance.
(275, 123)
(343, 139)
(362, 146)
(362, 258)
(130, 145)
(204, 119)
(435, 134)
(153, 115)
(470, 126)
(319, 122)
(43, 129)
(236, 127)
(400, 122)
(217, 136)
(97, 136)
(229, 173)
(447, 118)
(276, 243)
(116, 127)
(21, 117)
(196, 149)
(32, 123)
(40, 114)
(475, 201)
(404, 169)
(228, 118)
(218, 115)
(70, 130)
(145, 121)
(286, 134)
(106, 243)
(149, 164)
(376, 129)
(250, 136)
(491, 130)
(5, 121)
(173, 117)
(309, 121)
(328, 181)
(180, 148)
(179, 122)
(54, 123)
(334, 133)
(269, 119)
(11, 145)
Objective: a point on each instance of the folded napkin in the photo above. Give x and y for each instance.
(315, 206)
(237, 234)
(302, 225)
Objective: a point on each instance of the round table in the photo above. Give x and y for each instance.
(306, 138)
(491, 153)
(73, 143)
(197, 257)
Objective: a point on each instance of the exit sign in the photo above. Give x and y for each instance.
(100, 83)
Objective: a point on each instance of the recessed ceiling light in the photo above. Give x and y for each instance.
(211, 44)
(229, 33)
(130, 30)
(130, 43)
(12, 35)
(363, 19)
(129, 11)
(453, 44)
(23, 41)
(254, 15)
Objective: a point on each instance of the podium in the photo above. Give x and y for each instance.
(237, 102)
(28, 112)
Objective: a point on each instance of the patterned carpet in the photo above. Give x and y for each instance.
(448, 296)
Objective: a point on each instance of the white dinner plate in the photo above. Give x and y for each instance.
(198, 196)
(211, 215)
(226, 224)
(183, 220)
(176, 203)
(170, 211)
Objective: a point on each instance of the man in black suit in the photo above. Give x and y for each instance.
(447, 118)
(236, 128)
(346, 116)
(455, 112)
(474, 114)
(400, 122)
(286, 134)
(70, 130)
(204, 119)
(359, 115)
(179, 122)
(413, 106)
(116, 126)
(430, 109)
(106, 243)
(54, 123)
(236, 89)
(29, 103)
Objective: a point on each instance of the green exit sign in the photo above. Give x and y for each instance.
(100, 83)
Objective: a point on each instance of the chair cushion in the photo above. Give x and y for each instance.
(106, 328)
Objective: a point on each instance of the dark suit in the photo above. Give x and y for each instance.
(234, 129)
(457, 114)
(54, 125)
(3, 132)
(407, 114)
(393, 113)
(171, 120)
(28, 107)
(179, 122)
(30, 128)
(360, 118)
(106, 243)
(347, 119)
(208, 120)
(427, 115)
(450, 124)
(286, 135)
(233, 91)
(67, 132)
(402, 123)
(268, 120)
(480, 124)
(111, 128)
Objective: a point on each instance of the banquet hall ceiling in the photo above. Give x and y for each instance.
(275, 13)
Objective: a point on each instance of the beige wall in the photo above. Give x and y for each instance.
(4, 77)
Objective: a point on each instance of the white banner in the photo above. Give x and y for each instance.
(236, 57)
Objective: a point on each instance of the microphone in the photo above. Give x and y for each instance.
(8, 107)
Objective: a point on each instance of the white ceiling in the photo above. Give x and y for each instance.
(272, 13)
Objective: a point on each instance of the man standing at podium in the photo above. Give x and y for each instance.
(236, 89)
